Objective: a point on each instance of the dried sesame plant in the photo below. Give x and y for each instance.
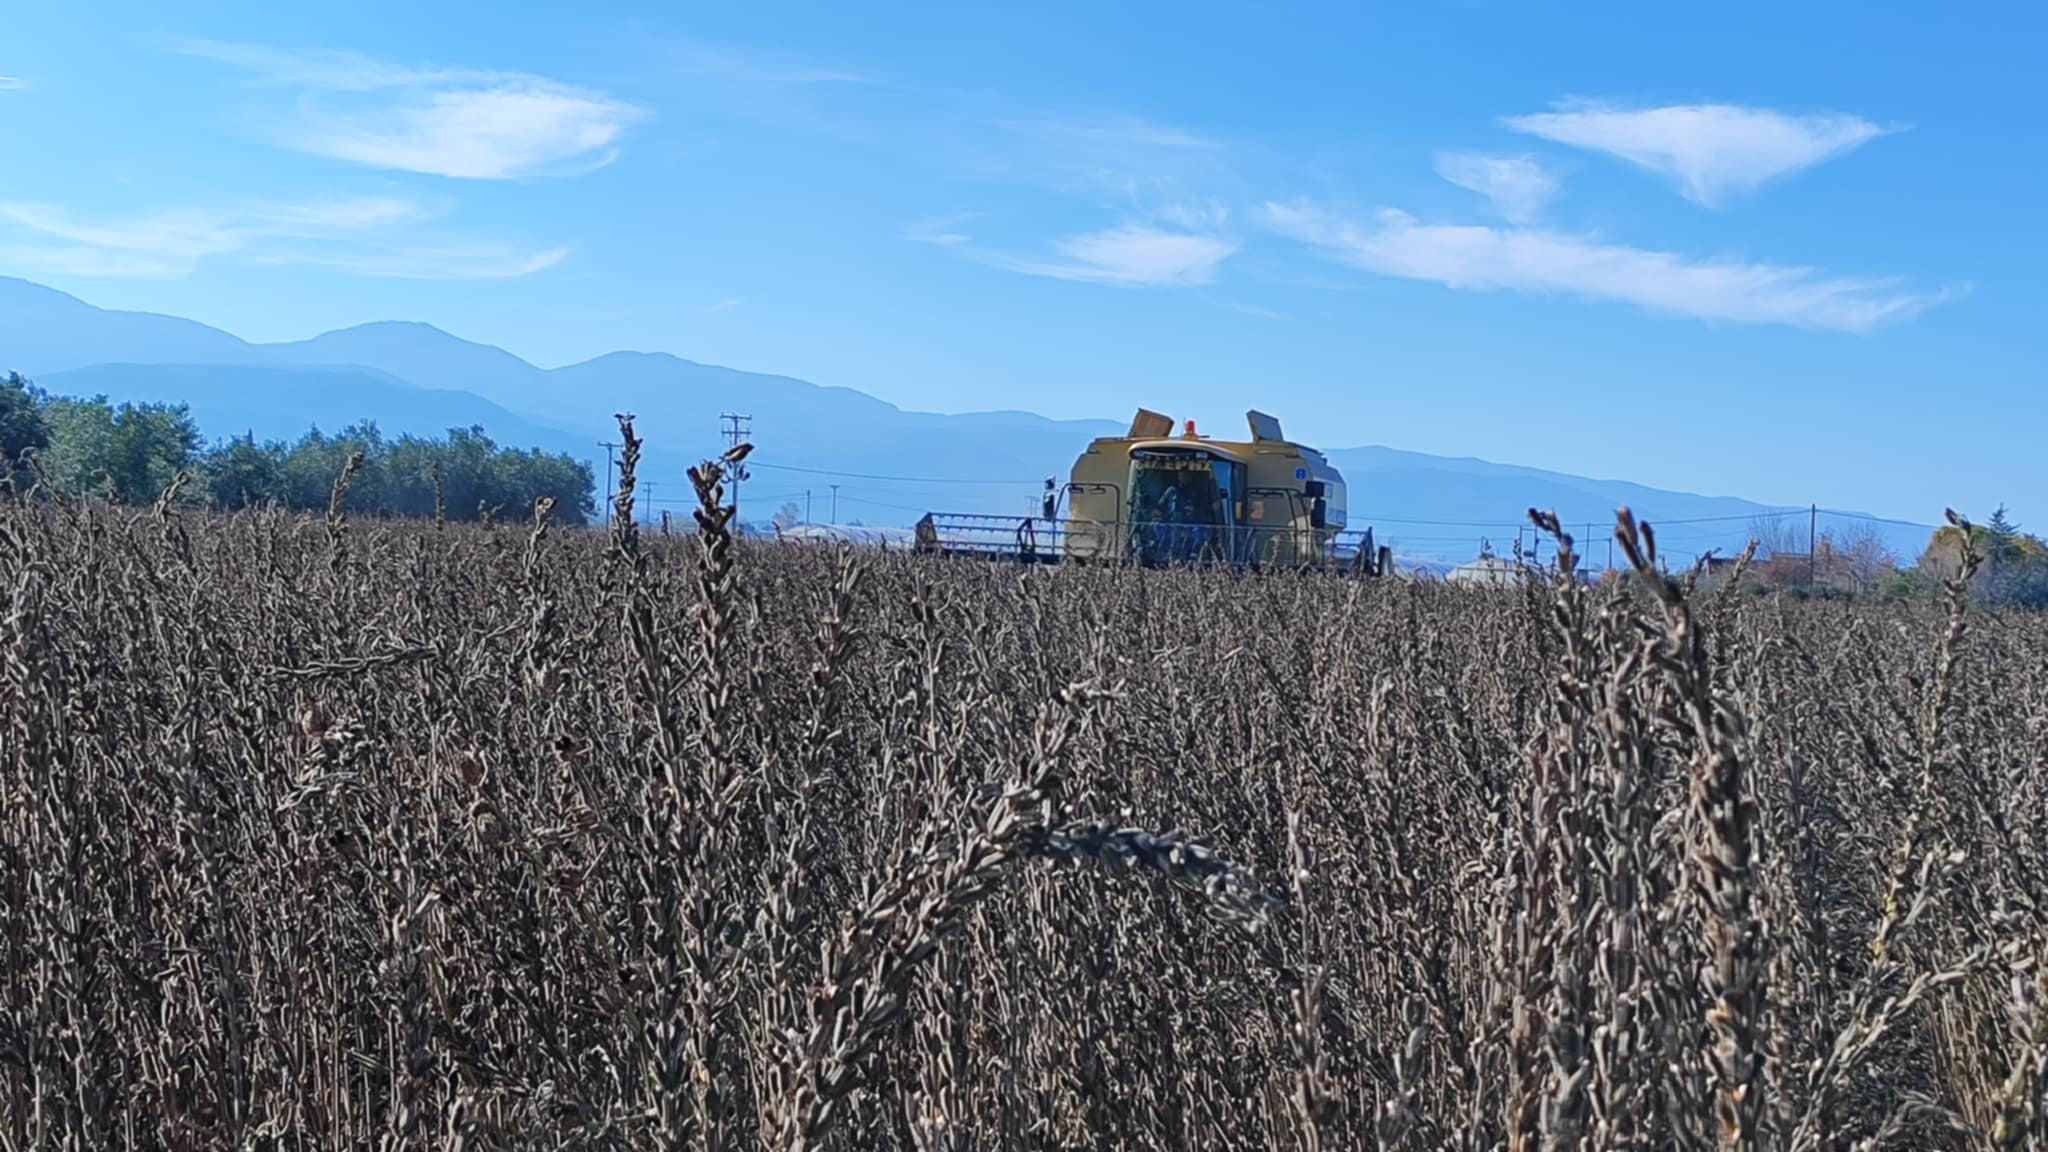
(318, 832)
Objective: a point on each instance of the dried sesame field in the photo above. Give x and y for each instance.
(320, 833)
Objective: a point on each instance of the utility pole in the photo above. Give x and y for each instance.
(738, 426)
(609, 467)
(650, 503)
(1812, 538)
(835, 503)
(807, 505)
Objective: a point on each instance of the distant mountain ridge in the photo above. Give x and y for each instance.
(889, 465)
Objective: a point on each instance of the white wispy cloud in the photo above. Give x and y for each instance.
(13, 84)
(1109, 133)
(734, 65)
(459, 123)
(726, 304)
(95, 263)
(332, 70)
(1254, 310)
(1712, 151)
(170, 244)
(1540, 261)
(177, 239)
(1131, 255)
(1517, 186)
(1092, 153)
(355, 214)
(497, 133)
(942, 230)
(1134, 255)
(367, 235)
(1207, 218)
(468, 260)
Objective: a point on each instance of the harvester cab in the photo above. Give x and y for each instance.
(1157, 499)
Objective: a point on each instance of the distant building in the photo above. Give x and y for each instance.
(1422, 568)
(857, 535)
(1491, 570)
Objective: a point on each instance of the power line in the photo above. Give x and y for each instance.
(691, 501)
(935, 498)
(883, 504)
(1523, 523)
(1876, 519)
(1437, 523)
(892, 479)
(1404, 538)
(1745, 518)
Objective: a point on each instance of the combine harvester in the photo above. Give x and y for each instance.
(1153, 499)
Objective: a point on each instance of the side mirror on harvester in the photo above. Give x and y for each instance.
(1051, 504)
(1319, 513)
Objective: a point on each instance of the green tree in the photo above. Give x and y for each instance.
(788, 516)
(2017, 574)
(89, 447)
(130, 453)
(243, 474)
(151, 444)
(397, 478)
(2015, 568)
(2002, 537)
(80, 434)
(22, 426)
(521, 478)
(406, 470)
(315, 462)
(469, 475)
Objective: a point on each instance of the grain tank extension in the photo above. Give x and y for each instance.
(1154, 498)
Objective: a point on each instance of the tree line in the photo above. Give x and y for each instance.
(132, 453)
(1855, 562)
(2014, 564)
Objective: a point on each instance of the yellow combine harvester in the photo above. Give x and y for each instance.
(1156, 499)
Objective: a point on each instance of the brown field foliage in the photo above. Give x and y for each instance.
(333, 834)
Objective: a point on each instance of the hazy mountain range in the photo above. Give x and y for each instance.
(890, 465)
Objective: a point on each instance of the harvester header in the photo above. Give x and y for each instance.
(1157, 499)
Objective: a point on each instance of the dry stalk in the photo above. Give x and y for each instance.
(1724, 811)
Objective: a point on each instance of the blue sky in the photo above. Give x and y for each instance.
(1785, 253)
